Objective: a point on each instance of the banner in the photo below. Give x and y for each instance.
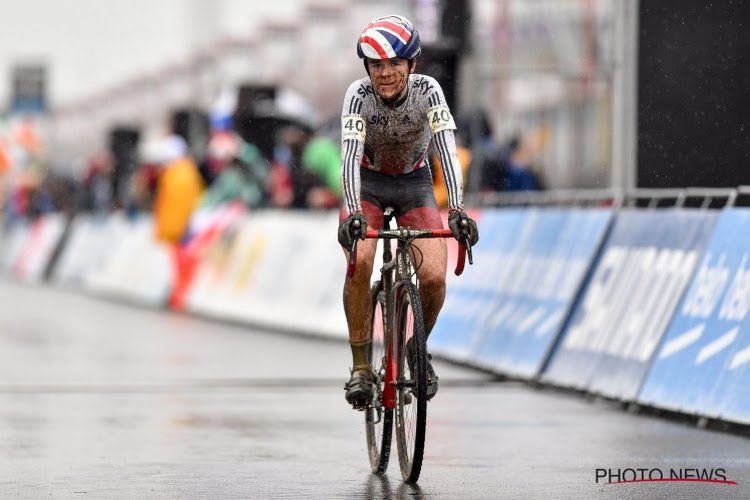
(470, 297)
(647, 262)
(702, 363)
(542, 277)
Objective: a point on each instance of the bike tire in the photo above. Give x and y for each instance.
(411, 379)
(378, 419)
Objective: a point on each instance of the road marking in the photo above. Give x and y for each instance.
(682, 341)
(740, 358)
(717, 345)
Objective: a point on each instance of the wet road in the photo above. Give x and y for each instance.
(104, 400)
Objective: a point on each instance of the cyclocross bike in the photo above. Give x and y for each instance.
(398, 351)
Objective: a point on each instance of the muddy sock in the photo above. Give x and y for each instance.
(360, 350)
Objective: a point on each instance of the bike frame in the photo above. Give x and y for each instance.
(396, 272)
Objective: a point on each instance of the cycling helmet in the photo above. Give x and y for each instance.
(387, 37)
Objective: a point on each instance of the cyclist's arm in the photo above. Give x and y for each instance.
(352, 147)
(442, 127)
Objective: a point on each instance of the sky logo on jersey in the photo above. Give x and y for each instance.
(703, 363)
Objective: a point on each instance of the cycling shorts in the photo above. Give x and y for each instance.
(410, 195)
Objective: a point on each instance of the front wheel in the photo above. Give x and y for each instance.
(411, 381)
(378, 418)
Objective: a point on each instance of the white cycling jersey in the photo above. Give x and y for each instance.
(394, 139)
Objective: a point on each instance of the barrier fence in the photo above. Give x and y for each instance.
(638, 304)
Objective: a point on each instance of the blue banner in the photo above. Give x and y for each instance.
(542, 275)
(470, 297)
(702, 364)
(640, 276)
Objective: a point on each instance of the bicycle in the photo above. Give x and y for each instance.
(398, 352)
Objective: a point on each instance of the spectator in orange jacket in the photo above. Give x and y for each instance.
(178, 190)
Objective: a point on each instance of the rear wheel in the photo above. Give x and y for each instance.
(411, 380)
(378, 419)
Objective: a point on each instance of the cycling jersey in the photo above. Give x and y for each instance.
(394, 139)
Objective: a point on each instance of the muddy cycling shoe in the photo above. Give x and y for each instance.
(360, 388)
(432, 378)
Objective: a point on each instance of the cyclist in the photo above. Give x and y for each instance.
(388, 120)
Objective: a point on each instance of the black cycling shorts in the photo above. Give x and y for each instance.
(403, 192)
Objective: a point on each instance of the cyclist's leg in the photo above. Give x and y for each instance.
(431, 258)
(357, 302)
(358, 309)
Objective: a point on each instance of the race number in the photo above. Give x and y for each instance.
(353, 127)
(440, 118)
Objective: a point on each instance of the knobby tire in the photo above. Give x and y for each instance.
(411, 401)
(378, 419)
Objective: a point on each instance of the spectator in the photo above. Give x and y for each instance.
(321, 160)
(179, 187)
(243, 174)
(97, 183)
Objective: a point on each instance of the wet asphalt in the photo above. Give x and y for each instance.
(100, 399)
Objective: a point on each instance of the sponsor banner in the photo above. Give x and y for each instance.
(138, 268)
(702, 363)
(89, 242)
(298, 282)
(14, 241)
(44, 235)
(278, 268)
(537, 285)
(640, 275)
(207, 225)
(470, 297)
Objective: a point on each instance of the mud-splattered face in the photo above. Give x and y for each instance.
(389, 77)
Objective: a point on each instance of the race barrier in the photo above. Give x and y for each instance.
(647, 306)
(703, 364)
(530, 266)
(29, 247)
(622, 313)
(278, 269)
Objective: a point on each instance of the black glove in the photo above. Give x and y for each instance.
(462, 226)
(354, 226)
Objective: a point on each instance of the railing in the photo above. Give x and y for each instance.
(652, 198)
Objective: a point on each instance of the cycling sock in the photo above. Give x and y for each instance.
(360, 350)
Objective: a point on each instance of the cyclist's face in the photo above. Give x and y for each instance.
(389, 77)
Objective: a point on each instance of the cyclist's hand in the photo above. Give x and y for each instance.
(463, 227)
(349, 230)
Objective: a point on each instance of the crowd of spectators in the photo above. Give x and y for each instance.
(300, 170)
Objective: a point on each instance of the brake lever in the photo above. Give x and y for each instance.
(465, 240)
(356, 226)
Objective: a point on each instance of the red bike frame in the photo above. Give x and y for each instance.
(389, 386)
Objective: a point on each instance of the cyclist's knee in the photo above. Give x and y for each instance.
(435, 282)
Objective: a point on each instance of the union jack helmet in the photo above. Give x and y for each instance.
(387, 37)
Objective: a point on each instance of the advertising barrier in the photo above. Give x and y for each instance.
(89, 242)
(280, 269)
(13, 242)
(469, 297)
(544, 273)
(506, 311)
(137, 268)
(702, 364)
(646, 305)
(31, 246)
(642, 271)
